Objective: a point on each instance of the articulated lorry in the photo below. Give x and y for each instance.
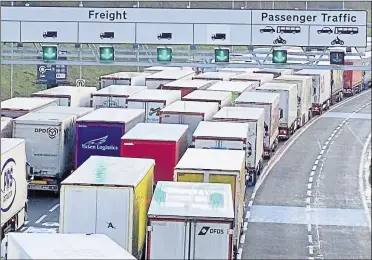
(160, 79)
(20, 106)
(187, 86)
(213, 75)
(260, 78)
(236, 88)
(124, 78)
(223, 98)
(6, 127)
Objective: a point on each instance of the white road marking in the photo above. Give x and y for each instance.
(308, 193)
(240, 252)
(309, 186)
(26, 222)
(321, 152)
(250, 203)
(314, 168)
(242, 239)
(311, 250)
(50, 224)
(312, 173)
(310, 238)
(316, 162)
(319, 156)
(308, 227)
(311, 179)
(54, 208)
(360, 177)
(308, 200)
(248, 214)
(245, 226)
(40, 219)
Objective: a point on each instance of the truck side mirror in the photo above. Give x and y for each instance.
(280, 113)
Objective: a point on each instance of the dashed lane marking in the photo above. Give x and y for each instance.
(40, 219)
(54, 208)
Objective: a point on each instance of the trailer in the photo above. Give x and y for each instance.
(160, 79)
(213, 75)
(261, 78)
(353, 79)
(321, 90)
(287, 107)
(6, 127)
(304, 96)
(76, 111)
(188, 113)
(13, 185)
(187, 86)
(156, 69)
(123, 78)
(235, 88)
(67, 95)
(165, 143)
(49, 148)
(238, 70)
(19, 106)
(99, 132)
(190, 227)
(217, 166)
(337, 84)
(152, 101)
(113, 96)
(62, 246)
(223, 98)
(276, 72)
(113, 195)
(270, 103)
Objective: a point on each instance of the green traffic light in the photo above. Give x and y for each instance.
(279, 56)
(164, 54)
(106, 54)
(50, 53)
(221, 55)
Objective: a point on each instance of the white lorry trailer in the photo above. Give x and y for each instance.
(287, 106)
(190, 220)
(304, 96)
(61, 246)
(156, 69)
(261, 78)
(68, 95)
(188, 85)
(337, 84)
(321, 90)
(236, 88)
(113, 96)
(6, 127)
(223, 98)
(157, 80)
(213, 75)
(20, 106)
(189, 113)
(124, 78)
(48, 147)
(238, 70)
(13, 185)
(112, 195)
(270, 103)
(153, 100)
(76, 111)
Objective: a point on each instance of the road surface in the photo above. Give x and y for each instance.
(309, 205)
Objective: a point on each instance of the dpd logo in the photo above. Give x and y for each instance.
(52, 132)
(8, 185)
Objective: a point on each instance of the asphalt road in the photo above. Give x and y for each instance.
(309, 205)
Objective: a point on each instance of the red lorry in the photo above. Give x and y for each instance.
(353, 79)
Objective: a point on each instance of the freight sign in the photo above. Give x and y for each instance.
(184, 26)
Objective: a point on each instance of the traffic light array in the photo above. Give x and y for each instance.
(279, 56)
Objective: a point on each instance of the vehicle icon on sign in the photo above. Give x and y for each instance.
(219, 36)
(165, 36)
(337, 41)
(346, 30)
(279, 40)
(325, 30)
(267, 29)
(107, 35)
(50, 34)
(288, 29)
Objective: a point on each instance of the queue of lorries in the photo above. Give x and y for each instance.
(159, 160)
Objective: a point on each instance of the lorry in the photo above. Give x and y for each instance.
(6, 127)
(217, 166)
(76, 111)
(304, 96)
(123, 78)
(62, 246)
(215, 75)
(19, 106)
(165, 143)
(152, 101)
(287, 107)
(113, 96)
(188, 113)
(156, 69)
(353, 79)
(337, 84)
(321, 90)
(238, 70)
(276, 72)
(13, 185)
(236, 88)
(270, 103)
(186, 86)
(99, 132)
(223, 98)
(159, 79)
(189, 220)
(113, 195)
(48, 148)
(254, 140)
(68, 95)
(261, 78)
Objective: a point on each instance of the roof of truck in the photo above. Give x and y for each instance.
(188, 83)
(64, 90)
(240, 113)
(107, 170)
(158, 132)
(161, 68)
(192, 199)
(190, 107)
(277, 86)
(238, 70)
(155, 95)
(5, 121)
(212, 159)
(171, 74)
(208, 95)
(124, 75)
(118, 90)
(122, 115)
(257, 97)
(78, 111)
(68, 246)
(312, 72)
(232, 86)
(221, 129)
(26, 103)
(292, 77)
(8, 143)
(215, 75)
(252, 76)
(50, 118)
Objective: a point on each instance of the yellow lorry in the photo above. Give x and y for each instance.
(217, 166)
